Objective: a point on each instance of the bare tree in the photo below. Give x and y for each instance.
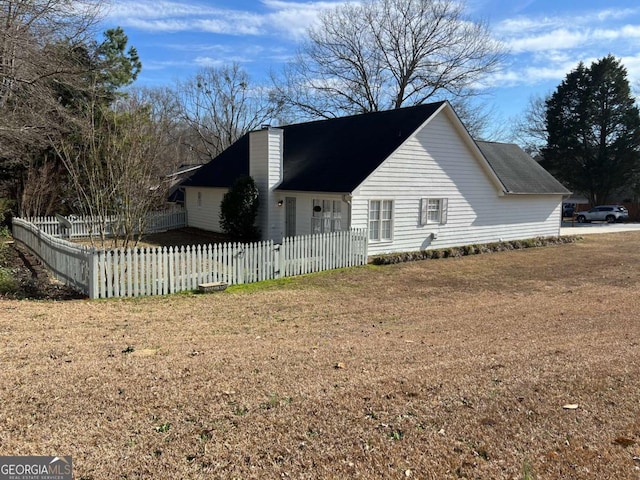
(165, 110)
(220, 105)
(386, 54)
(120, 168)
(38, 40)
(529, 130)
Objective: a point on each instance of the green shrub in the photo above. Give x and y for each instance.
(239, 209)
(8, 284)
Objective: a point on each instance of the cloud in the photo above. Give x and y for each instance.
(277, 17)
(555, 39)
(545, 48)
(522, 24)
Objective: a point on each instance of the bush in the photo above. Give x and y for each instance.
(8, 284)
(7, 211)
(469, 250)
(239, 209)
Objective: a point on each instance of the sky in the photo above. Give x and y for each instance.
(545, 39)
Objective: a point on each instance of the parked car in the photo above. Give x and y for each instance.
(603, 213)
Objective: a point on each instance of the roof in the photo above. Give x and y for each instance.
(518, 172)
(334, 155)
(224, 169)
(338, 154)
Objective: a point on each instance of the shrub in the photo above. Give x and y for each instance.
(239, 209)
(8, 284)
(469, 250)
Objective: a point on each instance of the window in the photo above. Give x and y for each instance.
(326, 216)
(433, 211)
(380, 220)
(199, 199)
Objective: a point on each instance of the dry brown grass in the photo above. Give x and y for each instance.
(454, 368)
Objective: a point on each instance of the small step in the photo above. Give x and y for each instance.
(212, 287)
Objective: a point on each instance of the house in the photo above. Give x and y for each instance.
(175, 195)
(413, 177)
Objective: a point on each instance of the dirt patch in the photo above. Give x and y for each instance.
(454, 368)
(31, 279)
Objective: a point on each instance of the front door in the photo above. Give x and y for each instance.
(290, 217)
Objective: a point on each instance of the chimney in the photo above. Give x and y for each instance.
(265, 167)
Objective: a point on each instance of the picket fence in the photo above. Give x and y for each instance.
(86, 226)
(162, 270)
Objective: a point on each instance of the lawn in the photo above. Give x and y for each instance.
(454, 368)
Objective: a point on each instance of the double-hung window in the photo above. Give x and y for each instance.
(326, 216)
(433, 211)
(381, 220)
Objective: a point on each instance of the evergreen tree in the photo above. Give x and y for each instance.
(239, 209)
(593, 130)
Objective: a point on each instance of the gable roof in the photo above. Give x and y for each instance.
(334, 155)
(518, 172)
(338, 154)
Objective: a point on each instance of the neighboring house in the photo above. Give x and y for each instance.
(175, 195)
(413, 177)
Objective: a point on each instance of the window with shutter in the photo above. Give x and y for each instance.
(433, 211)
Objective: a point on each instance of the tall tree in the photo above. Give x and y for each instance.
(55, 106)
(31, 32)
(386, 54)
(220, 105)
(593, 130)
(116, 66)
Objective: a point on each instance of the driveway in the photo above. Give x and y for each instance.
(569, 228)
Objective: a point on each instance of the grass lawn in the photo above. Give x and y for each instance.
(456, 368)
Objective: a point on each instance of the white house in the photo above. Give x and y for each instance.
(413, 177)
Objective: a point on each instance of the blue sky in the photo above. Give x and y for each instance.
(546, 39)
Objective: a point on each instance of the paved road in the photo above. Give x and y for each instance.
(588, 228)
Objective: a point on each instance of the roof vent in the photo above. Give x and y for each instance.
(266, 126)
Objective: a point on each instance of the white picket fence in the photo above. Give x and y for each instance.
(70, 263)
(86, 226)
(162, 270)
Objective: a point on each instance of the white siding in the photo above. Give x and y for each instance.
(436, 163)
(304, 209)
(265, 167)
(207, 215)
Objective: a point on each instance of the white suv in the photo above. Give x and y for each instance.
(604, 213)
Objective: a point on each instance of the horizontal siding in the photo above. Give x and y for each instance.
(206, 216)
(436, 163)
(259, 171)
(265, 167)
(304, 210)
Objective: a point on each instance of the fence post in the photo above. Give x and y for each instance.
(278, 261)
(92, 260)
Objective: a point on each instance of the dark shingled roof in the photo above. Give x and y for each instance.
(223, 170)
(334, 155)
(338, 154)
(518, 172)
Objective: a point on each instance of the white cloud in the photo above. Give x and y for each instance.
(286, 19)
(545, 48)
(561, 38)
(296, 17)
(123, 9)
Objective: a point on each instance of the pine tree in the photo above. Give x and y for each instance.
(593, 130)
